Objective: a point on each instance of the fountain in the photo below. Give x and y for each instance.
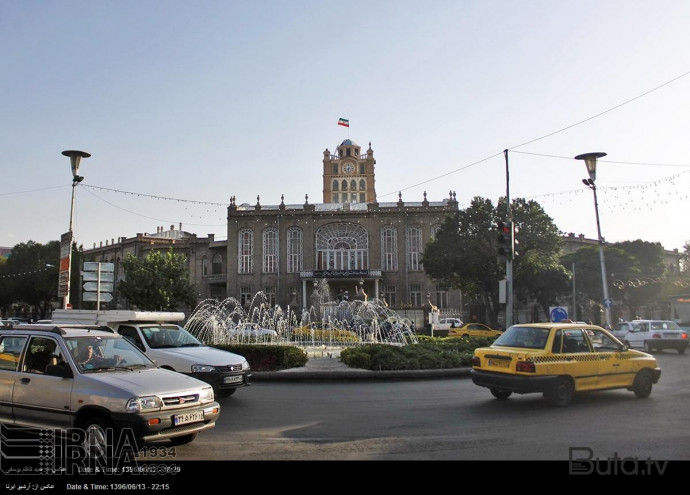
(326, 324)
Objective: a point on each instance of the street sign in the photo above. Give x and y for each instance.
(93, 266)
(93, 287)
(94, 296)
(558, 313)
(93, 276)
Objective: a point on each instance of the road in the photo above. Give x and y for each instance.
(446, 419)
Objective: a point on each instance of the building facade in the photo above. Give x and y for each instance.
(361, 247)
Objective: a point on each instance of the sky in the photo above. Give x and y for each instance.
(184, 104)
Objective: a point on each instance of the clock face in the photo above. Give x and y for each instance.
(348, 168)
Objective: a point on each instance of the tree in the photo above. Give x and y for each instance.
(537, 271)
(634, 272)
(158, 282)
(464, 254)
(30, 277)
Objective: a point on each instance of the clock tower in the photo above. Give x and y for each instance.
(348, 174)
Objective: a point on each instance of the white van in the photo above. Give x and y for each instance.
(158, 335)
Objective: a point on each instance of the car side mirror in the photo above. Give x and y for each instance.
(58, 370)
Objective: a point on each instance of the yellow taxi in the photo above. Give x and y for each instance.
(473, 330)
(559, 360)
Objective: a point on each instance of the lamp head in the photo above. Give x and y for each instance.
(75, 157)
(591, 162)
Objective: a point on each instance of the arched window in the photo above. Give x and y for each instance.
(335, 185)
(217, 267)
(270, 258)
(353, 185)
(389, 249)
(344, 185)
(362, 185)
(295, 250)
(342, 246)
(245, 249)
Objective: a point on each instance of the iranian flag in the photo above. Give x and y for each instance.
(343, 122)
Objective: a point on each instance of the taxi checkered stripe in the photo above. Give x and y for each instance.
(577, 356)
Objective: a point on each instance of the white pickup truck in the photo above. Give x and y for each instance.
(158, 335)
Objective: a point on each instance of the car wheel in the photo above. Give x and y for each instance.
(647, 347)
(225, 392)
(182, 440)
(96, 437)
(642, 386)
(501, 394)
(561, 393)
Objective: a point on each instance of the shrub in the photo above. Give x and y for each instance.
(269, 357)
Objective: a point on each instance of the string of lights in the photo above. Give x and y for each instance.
(31, 272)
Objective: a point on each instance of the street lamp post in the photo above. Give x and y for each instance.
(75, 158)
(590, 160)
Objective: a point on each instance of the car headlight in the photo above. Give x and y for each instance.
(202, 368)
(245, 365)
(206, 394)
(137, 404)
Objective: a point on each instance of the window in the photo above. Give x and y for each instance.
(245, 296)
(245, 259)
(335, 185)
(362, 197)
(10, 349)
(270, 293)
(344, 185)
(294, 250)
(336, 198)
(416, 295)
(389, 294)
(353, 185)
(362, 185)
(41, 352)
(204, 266)
(353, 197)
(348, 151)
(442, 298)
(270, 264)
(434, 230)
(389, 249)
(414, 248)
(342, 246)
(217, 266)
(335, 167)
(131, 334)
(361, 168)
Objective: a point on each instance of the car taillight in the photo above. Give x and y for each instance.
(684, 336)
(525, 367)
(656, 336)
(476, 361)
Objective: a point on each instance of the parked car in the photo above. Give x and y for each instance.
(474, 330)
(620, 329)
(652, 335)
(559, 360)
(91, 378)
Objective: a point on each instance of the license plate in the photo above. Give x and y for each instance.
(499, 363)
(193, 417)
(232, 379)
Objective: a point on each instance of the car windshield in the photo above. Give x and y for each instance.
(168, 336)
(524, 337)
(100, 353)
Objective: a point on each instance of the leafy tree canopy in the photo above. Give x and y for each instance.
(158, 282)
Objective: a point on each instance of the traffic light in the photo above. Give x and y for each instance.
(505, 239)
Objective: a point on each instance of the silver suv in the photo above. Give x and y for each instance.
(91, 379)
(652, 335)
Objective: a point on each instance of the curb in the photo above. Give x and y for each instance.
(357, 375)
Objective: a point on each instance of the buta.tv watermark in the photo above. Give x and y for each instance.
(581, 461)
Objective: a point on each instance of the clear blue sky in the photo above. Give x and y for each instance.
(204, 100)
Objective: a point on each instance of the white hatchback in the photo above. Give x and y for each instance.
(652, 335)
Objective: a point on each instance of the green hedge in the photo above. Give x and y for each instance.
(262, 357)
